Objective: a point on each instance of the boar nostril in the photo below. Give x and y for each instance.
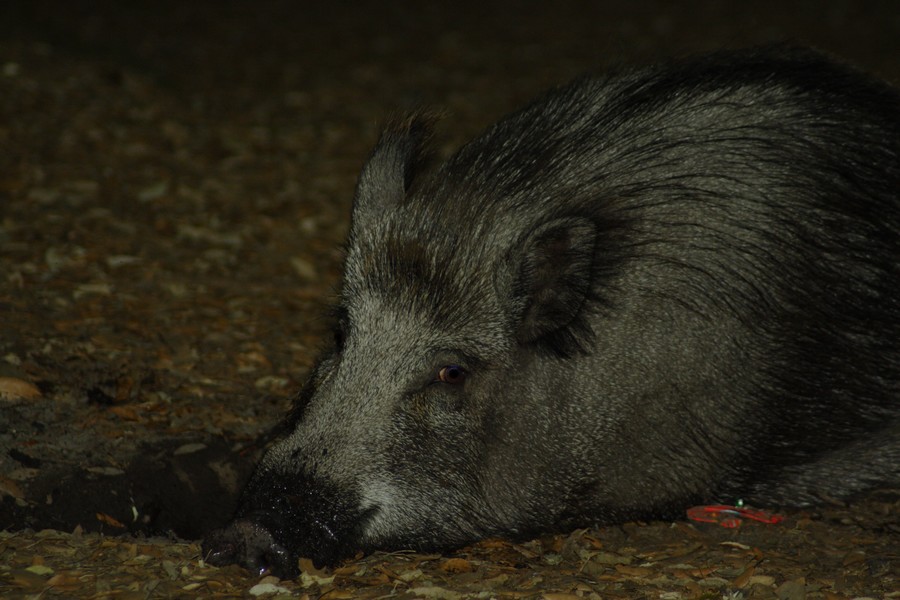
(276, 560)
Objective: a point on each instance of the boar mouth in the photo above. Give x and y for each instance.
(261, 544)
(274, 528)
(251, 544)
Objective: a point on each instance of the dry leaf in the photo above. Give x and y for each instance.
(40, 570)
(264, 589)
(795, 589)
(494, 544)
(456, 565)
(307, 566)
(438, 593)
(13, 389)
(26, 579)
(64, 582)
(310, 575)
(337, 594)
(112, 521)
(743, 579)
(634, 571)
(10, 488)
(126, 412)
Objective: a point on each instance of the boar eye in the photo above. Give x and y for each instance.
(453, 374)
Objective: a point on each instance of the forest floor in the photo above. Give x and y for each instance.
(175, 182)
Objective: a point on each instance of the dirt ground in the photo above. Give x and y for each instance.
(175, 180)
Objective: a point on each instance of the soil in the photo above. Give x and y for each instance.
(175, 181)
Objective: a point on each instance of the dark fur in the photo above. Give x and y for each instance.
(672, 285)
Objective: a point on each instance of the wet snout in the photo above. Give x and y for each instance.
(251, 544)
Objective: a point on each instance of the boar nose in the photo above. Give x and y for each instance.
(252, 545)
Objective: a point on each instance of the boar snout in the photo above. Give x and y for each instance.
(251, 544)
(283, 518)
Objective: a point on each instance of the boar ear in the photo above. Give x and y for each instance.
(553, 286)
(394, 163)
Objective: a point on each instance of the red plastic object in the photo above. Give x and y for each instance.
(730, 516)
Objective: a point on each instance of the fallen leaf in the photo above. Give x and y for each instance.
(410, 575)
(794, 589)
(695, 572)
(456, 565)
(307, 566)
(94, 288)
(189, 448)
(10, 488)
(337, 595)
(310, 575)
(264, 589)
(64, 582)
(737, 545)
(24, 579)
(495, 582)
(126, 412)
(634, 571)
(610, 558)
(153, 192)
(112, 521)
(306, 580)
(743, 579)
(304, 268)
(438, 593)
(12, 389)
(109, 471)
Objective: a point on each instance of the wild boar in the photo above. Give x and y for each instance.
(667, 286)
